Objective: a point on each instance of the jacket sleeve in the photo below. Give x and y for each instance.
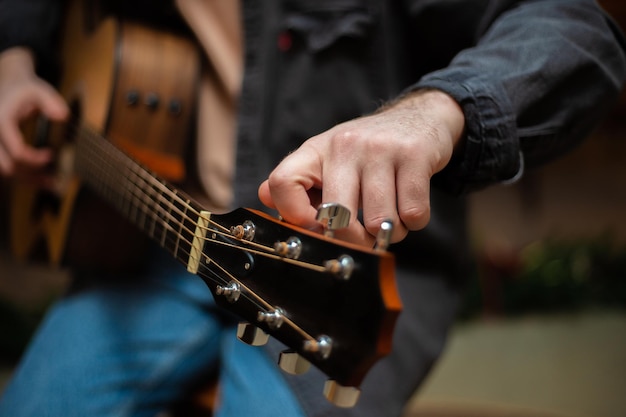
(32, 24)
(540, 77)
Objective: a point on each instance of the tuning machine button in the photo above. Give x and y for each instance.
(341, 267)
(383, 239)
(292, 363)
(322, 346)
(274, 319)
(231, 292)
(332, 216)
(244, 231)
(340, 395)
(292, 248)
(251, 334)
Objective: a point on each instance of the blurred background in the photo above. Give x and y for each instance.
(542, 330)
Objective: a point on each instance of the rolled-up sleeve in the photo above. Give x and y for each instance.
(539, 79)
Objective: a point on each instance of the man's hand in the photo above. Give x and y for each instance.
(22, 93)
(380, 163)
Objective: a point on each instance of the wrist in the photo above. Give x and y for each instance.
(442, 113)
(16, 62)
(440, 106)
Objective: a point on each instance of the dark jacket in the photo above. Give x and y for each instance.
(533, 78)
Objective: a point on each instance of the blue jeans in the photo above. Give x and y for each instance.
(134, 348)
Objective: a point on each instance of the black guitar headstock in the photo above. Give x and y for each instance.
(332, 303)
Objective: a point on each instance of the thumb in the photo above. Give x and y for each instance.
(52, 104)
(265, 196)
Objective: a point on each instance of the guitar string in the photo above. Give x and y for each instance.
(144, 207)
(261, 249)
(167, 226)
(129, 199)
(247, 291)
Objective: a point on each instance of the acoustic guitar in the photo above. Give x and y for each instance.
(334, 304)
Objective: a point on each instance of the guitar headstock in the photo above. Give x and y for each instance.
(332, 303)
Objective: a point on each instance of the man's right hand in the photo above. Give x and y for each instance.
(22, 94)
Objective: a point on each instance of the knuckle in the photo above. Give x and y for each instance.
(372, 224)
(277, 179)
(344, 141)
(416, 217)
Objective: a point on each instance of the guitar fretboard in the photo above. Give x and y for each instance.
(165, 214)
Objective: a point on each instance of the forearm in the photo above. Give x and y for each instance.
(16, 61)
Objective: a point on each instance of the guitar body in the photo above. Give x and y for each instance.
(134, 84)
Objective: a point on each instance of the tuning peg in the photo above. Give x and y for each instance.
(231, 292)
(384, 236)
(341, 267)
(322, 346)
(292, 363)
(245, 231)
(251, 334)
(274, 318)
(341, 395)
(291, 248)
(332, 216)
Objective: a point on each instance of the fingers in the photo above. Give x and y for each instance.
(413, 197)
(362, 183)
(342, 184)
(51, 103)
(295, 189)
(381, 164)
(288, 188)
(16, 105)
(359, 172)
(14, 151)
(379, 200)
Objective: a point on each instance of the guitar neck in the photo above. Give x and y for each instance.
(163, 213)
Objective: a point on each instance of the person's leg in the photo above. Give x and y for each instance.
(251, 384)
(123, 349)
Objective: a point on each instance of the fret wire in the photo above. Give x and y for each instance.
(142, 174)
(105, 186)
(160, 185)
(181, 226)
(159, 220)
(155, 213)
(169, 212)
(131, 198)
(135, 198)
(138, 176)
